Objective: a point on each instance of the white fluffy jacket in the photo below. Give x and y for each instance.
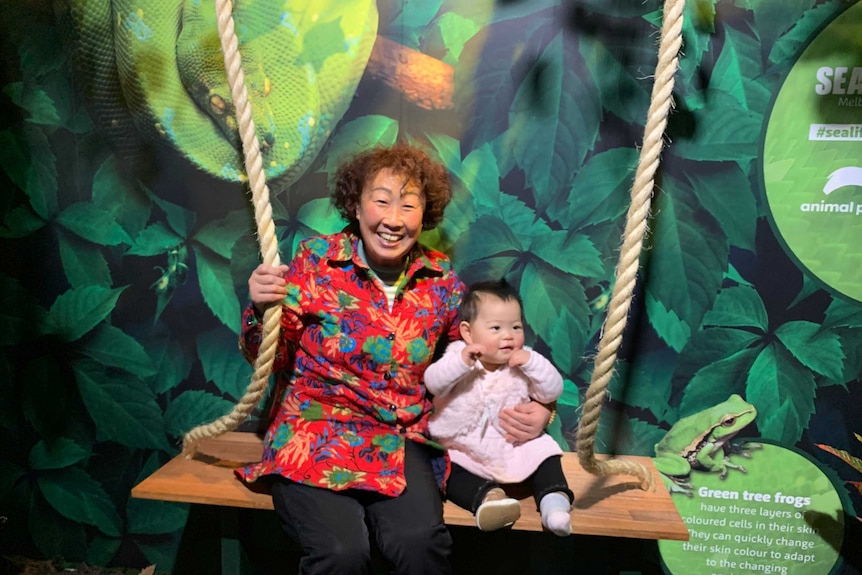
(467, 404)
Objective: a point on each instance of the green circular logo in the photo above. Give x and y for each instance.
(812, 157)
(782, 516)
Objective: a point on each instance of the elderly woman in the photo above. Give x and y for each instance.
(363, 312)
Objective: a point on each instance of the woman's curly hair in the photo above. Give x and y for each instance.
(404, 160)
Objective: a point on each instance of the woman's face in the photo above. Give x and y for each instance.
(390, 218)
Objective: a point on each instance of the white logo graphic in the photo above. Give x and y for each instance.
(851, 176)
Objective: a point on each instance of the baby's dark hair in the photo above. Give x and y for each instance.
(498, 288)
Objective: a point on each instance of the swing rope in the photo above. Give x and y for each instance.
(627, 267)
(267, 238)
(626, 272)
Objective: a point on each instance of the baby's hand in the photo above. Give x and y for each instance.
(471, 353)
(519, 358)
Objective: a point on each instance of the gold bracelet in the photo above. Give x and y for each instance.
(553, 407)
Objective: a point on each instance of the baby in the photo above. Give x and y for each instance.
(490, 370)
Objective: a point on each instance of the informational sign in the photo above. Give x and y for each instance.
(779, 514)
(812, 157)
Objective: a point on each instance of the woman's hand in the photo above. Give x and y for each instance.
(524, 422)
(266, 285)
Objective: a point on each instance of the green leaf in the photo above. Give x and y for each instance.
(112, 347)
(154, 240)
(415, 17)
(14, 158)
(101, 550)
(599, 191)
(221, 235)
(83, 262)
(546, 292)
(193, 408)
(783, 392)
(746, 58)
(621, 94)
(638, 437)
(20, 222)
(217, 288)
(179, 219)
(841, 313)
(711, 345)
(728, 75)
(788, 46)
(222, 362)
(487, 237)
(554, 123)
(34, 101)
(41, 186)
(649, 383)
(122, 407)
(20, 312)
(320, 217)
(698, 27)
(77, 496)
(715, 382)
(57, 454)
(726, 194)
(171, 360)
(735, 138)
(456, 30)
(815, 349)
(481, 176)
(124, 200)
(738, 307)
(148, 517)
(774, 17)
(93, 224)
(574, 254)
(567, 343)
(688, 256)
(53, 534)
(79, 310)
(667, 325)
(357, 135)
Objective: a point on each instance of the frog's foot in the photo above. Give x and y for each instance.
(744, 449)
(678, 484)
(728, 466)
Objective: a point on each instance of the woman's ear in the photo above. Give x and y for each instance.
(465, 332)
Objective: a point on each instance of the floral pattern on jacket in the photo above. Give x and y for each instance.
(352, 392)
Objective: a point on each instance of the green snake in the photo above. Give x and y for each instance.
(156, 67)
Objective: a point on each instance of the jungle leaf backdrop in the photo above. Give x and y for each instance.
(121, 294)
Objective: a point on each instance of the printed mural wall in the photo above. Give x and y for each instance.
(128, 237)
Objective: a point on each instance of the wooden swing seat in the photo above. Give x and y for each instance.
(612, 506)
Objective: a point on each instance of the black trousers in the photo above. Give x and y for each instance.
(467, 490)
(333, 527)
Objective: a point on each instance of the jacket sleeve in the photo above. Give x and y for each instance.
(442, 375)
(297, 278)
(546, 383)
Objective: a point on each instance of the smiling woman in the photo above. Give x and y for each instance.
(364, 310)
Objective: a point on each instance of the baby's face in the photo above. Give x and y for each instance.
(497, 327)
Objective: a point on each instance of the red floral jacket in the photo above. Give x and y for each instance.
(353, 393)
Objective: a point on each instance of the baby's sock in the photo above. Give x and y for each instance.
(555, 513)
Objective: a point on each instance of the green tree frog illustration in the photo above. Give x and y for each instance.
(702, 442)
